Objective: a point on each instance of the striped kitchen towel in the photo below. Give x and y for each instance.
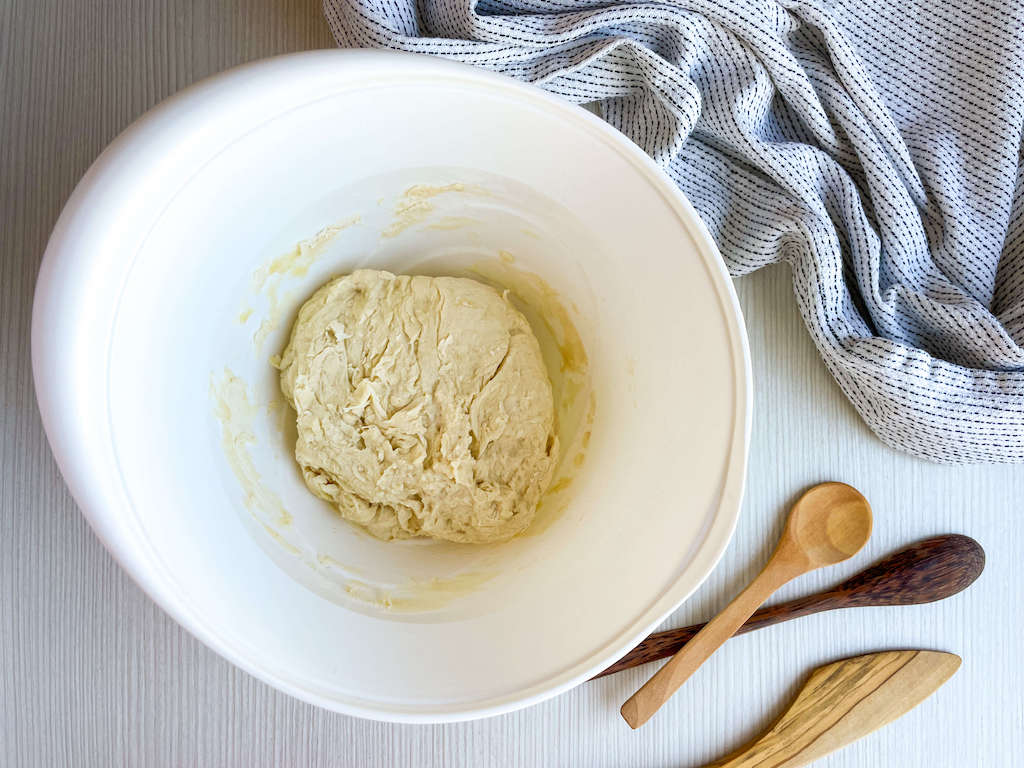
(875, 147)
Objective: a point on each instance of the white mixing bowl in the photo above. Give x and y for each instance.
(172, 277)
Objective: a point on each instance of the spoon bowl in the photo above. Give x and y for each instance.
(830, 523)
(932, 569)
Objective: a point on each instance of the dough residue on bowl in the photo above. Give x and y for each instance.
(423, 406)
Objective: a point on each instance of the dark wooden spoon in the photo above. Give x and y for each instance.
(930, 570)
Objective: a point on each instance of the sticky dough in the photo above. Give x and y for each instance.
(423, 406)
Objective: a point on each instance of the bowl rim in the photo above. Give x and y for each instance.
(60, 312)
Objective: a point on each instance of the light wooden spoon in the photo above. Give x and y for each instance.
(827, 525)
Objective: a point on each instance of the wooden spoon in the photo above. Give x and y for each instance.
(926, 571)
(843, 702)
(827, 525)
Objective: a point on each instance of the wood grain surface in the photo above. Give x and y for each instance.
(843, 702)
(93, 674)
(932, 569)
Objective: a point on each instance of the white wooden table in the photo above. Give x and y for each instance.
(93, 674)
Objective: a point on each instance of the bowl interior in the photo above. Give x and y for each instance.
(434, 172)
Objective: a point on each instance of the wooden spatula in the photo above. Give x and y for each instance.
(926, 571)
(844, 701)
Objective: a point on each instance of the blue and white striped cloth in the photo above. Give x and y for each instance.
(873, 146)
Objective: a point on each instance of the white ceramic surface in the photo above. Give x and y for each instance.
(137, 315)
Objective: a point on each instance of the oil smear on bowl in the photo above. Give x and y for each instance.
(267, 281)
(238, 417)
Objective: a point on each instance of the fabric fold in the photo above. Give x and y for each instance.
(875, 148)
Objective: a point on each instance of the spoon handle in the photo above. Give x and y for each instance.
(661, 645)
(639, 708)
